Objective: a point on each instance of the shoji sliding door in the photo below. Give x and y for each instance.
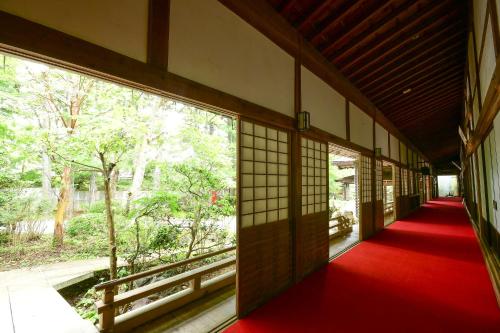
(312, 241)
(264, 233)
(366, 214)
(379, 196)
(397, 192)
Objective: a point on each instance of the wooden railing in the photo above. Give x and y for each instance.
(388, 207)
(107, 308)
(342, 228)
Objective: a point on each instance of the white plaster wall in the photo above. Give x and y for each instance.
(488, 61)
(481, 179)
(471, 61)
(119, 25)
(394, 147)
(361, 127)
(491, 175)
(211, 45)
(382, 139)
(475, 109)
(327, 106)
(479, 13)
(495, 158)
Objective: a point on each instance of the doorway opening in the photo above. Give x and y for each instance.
(388, 192)
(343, 198)
(448, 186)
(111, 183)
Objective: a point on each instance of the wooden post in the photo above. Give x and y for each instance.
(196, 283)
(107, 318)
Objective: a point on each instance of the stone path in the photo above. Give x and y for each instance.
(29, 301)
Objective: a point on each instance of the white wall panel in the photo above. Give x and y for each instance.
(119, 25)
(327, 106)
(479, 13)
(211, 45)
(361, 127)
(394, 147)
(491, 175)
(382, 139)
(495, 153)
(488, 61)
(481, 180)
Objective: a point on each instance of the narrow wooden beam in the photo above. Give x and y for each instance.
(421, 16)
(421, 104)
(438, 107)
(373, 29)
(420, 84)
(400, 39)
(407, 60)
(158, 30)
(429, 74)
(425, 94)
(421, 45)
(352, 7)
(365, 21)
(323, 6)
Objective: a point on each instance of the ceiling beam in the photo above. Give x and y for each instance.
(423, 102)
(372, 29)
(379, 39)
(416, 112)
(380, 62)
(408, 67)
(422, 105)
(436, 71)
(321, 8)
(400, 39)
(416, 85)
(347, 35)
(414, 96)
(416, 115)
(352, 7)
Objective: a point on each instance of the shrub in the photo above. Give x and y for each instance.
(89, 224)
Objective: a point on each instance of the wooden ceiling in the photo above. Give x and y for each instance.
(406, 56)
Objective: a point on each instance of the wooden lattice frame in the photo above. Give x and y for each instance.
(314, 157)
(264, 172)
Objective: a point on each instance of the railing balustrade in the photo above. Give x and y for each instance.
(107, 308)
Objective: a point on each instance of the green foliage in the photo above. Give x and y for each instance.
(165, 237)
(32, 178)
(87, 225)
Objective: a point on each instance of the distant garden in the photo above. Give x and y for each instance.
(91, 169)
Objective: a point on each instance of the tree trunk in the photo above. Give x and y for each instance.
(139, 170)
(62, 203)
(107, 171)
(93, 188)
(70, 207)
(46, 175)
(113, 183)
(156, 178)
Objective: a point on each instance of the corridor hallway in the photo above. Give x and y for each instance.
(424, 273)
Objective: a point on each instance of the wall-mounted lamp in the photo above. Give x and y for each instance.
(303, 121)
(378, 152)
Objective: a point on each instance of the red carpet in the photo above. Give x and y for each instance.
(424, 273)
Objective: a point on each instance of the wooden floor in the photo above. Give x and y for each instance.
(341, 243)
(202, 316)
